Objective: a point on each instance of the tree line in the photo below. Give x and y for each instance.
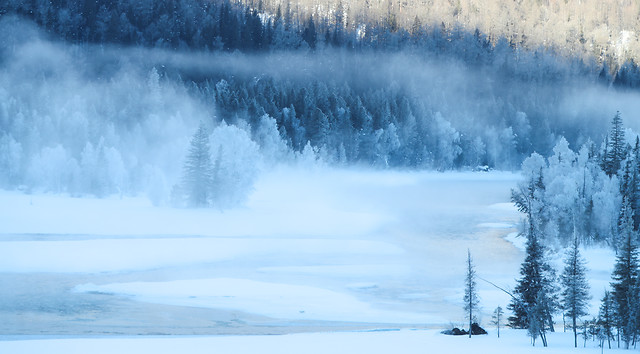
(537, 298)
(585, 194)
(561, 198)
(257, 27)
(450, 99)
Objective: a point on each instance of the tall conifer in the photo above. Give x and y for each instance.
(198, 169)
(625, 278)
(575, 293)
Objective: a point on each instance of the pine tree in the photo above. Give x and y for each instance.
(634, 189)
(575, 294)
(198, 169)
(497, 318)
(635, 308)
(606, 316)
(535, 298)
(625, 277)
(309, 34)
(471, 300)
(616, 147)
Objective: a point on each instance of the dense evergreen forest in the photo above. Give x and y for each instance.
(102, 97)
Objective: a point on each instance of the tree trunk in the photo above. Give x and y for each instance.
(543, 337)
(575, 331)
(550, 319)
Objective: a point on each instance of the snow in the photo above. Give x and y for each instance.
(496, 225)
(370, 342)
(117, 255)
(318, 250)
(518, 241)
(377, 240)
(284, 301)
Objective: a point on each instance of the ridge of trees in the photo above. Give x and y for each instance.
(376, 117)
(265, 25)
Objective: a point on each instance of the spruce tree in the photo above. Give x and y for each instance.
(198, 169)
(537, 318)
(606, 316)
(575, 294)
(635, 309)
(471, 300)
(535, 298)
(625, 278)
(634, 190)
(616, 147)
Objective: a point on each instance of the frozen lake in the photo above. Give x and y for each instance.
(320, 250)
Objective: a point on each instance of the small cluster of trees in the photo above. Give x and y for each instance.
(587, 194)
(537, 297)
(220, 167)
(554, 212)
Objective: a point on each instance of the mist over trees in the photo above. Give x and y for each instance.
(187, 101)
(102, 98)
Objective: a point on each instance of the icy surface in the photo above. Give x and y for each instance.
(313, 250)
(275, 300)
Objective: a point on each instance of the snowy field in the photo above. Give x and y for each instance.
(333, 253)
(370, 342)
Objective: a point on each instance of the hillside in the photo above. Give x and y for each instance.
(606, 31)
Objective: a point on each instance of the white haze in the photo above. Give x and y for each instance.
(106, 120)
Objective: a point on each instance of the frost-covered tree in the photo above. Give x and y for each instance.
(471, 300)
(575, 292)
(10, 160)
(562, 192)
(271, 144)
(236, 164)
(529, 197)
(198, 169)
(447, 148)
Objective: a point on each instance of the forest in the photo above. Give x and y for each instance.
(188, 101)
(102, 98)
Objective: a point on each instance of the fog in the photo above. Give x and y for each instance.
(101, 120)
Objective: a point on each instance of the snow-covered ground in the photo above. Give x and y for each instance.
(312, 251)
(370, 342)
